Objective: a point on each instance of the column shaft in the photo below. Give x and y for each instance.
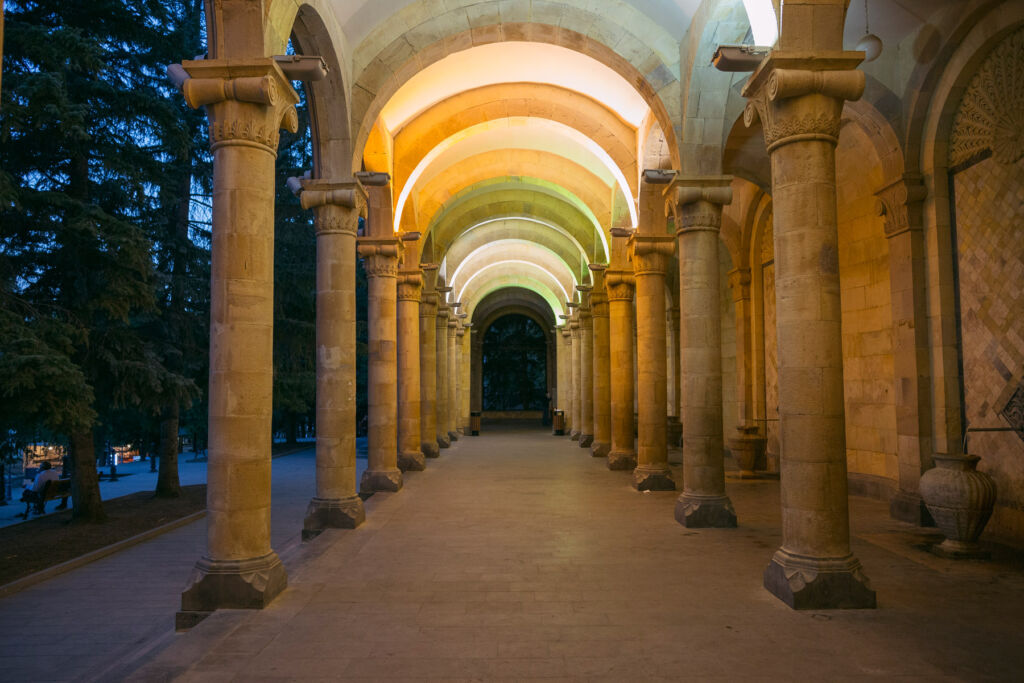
(800, 110)
(441, 352)
(577, 378)
(620, 344)
(428, 365)
(453, 381)
(586, 369)
(602, 365)
(565, 394)
(410, 454)
(336, 504)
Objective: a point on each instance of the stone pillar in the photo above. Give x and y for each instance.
(410, 286)
(674, 434)
(336, 504)
(381, 251)
(428, 362)
(650, 255)
(565, 394)
(461, 420)
(577, 379)
(799, 110)
(619, 284)
(586, 368)
(697, 206)
(441, 351)
(465, 365)
(247, 102)
(602, 364)
(748, 444)
(453, 376)
(899, 203)
(477, 370)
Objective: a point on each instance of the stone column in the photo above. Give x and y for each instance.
(674, 434)
(381, 250)
(410, 286)
(799, 110)
(650, 252)
(565, 394)
(465, 365)
(899, 203)
(586, 368)
(577, 379)
(622, 455)
(441, 351)
(247, 102)
(453, 376)
(460, 389)
(602, 364)
(336, 504)
(428, 362)
(748, 444)
(697, 206)
(477, 370)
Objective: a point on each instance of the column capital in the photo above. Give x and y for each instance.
(739, 283)
(620, 285)
(598, 296)
(799, 94)
(337, 205)
(247, 101)
(651, 254)
(410, 285)
(380, 255)
(429, 276)
(695, 202)
(899, 204)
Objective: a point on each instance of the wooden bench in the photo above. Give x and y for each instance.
(52, 490)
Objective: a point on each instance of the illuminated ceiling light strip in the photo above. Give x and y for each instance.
(495, 245)
(763, 22)
(521, 262)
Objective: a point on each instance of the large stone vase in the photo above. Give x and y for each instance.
(961, 500)
(748, 449)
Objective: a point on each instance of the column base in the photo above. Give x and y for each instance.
(705, 512)
(586, 440)
(430, 449)
(374, 481)
(818, 583)
(454, 436)
(653, 478)
(332, 513)
(600, 449)
(574, 435)
(908, 507)
(412, 461)
(232, 584)
(960, 550)
(444, 442)
(621, 460)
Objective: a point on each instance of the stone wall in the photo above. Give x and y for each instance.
(989, 215)
(730, 401)
(867, 318)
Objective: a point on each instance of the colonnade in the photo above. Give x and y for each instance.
(419, 364)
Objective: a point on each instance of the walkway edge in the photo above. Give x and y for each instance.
(98, 554)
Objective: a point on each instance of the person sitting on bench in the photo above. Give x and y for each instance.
(34, 494)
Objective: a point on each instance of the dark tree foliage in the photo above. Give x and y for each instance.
(514, 365)
(95, 151)
(294, 286)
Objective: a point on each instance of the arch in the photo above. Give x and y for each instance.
(513, 275)
(497, 234)
(570, 179)
(385, 65)
(510, 251)
(516, 100)
(516, 300)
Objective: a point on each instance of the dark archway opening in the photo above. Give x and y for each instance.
(514, 365)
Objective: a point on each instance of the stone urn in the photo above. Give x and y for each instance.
(748, 449)
(960, 499)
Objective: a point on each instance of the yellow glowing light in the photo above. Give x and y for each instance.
(526, 219)
(507, 262)
(513, 62)
(763, 22)
(501, 245)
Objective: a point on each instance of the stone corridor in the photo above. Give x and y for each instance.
(517, 555)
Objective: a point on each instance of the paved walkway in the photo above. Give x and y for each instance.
(103, 619)
(518, 556)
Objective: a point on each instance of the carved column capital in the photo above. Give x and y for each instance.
(696, 201)
(410, 285)
(429, 276)
(337, 205)
(899, 204)
(247, 102)
(651, 254)
(797, 97)
(598, 295)
(620, 285)
(380, 256)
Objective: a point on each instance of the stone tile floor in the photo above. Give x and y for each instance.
(518, 556)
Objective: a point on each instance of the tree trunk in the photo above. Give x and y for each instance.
(85, 483)
(167, 483)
